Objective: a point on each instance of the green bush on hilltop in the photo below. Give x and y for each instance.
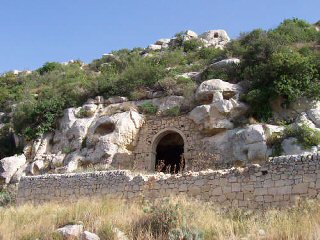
(274, 64)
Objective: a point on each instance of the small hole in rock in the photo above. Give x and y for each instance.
(105, 128)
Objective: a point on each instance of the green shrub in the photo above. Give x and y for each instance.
(306, 136)
(48, 67)
(5, 198)
(148, 108)
(172, 112)
(275, 66)
(161, 217)
(178, 86)
(192, 45)
(185, 233)
(167, 219)
(35, 119)
(82, 113)
(67, 150)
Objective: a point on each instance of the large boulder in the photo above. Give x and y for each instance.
(223, 105)
(290, 146)
(247, 145)
(196, 76)
(163, 41)
(206, 89)
(289, 112)
(303, 119)
(168, 102)
(226, 63)
(217, 38)
(9, 166)
(89, 236)
(154, 47)
(112, 134)
(189, 34)
(70, 232)
(250, 144)
(314, 115)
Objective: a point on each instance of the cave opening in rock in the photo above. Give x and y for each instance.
(169, 153)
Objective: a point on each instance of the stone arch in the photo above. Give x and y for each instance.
(157, 142)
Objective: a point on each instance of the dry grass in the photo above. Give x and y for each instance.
(154, 220)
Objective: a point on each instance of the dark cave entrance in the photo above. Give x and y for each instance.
(169, 153)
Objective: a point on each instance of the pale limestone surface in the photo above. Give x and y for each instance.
(9, 166)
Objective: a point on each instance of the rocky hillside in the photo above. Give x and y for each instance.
(252, 97)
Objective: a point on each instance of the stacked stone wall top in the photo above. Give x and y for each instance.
(280, 182)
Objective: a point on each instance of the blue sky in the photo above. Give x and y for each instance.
(37, 31)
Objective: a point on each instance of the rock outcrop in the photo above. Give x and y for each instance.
(69, 232)
(211, 38)
(246, 145)
(221, 106)
(9, 166)
(217, 38)
(95, 133)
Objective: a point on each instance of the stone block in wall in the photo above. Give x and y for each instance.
(300, 188)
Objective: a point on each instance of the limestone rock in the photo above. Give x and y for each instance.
(271, 130)
(89, 236)
(22, 171)
(290, 146)
(207, 88)
(9, 166)
(113, 134)
(162, 41)
(314, 115)
(36, 167)
(154, 47)
(68, 119)
(283, 111)
(250, 144)
(200, 113)
(225, 63)
(41, 146)
(2, 115)
(222, 108)
(191, 34)
(303, 119)
(168, 102)
(196, 76)
(215, 38)
(89, 109)
(247, 145)
(304, 104)
(119, 235)
(116, 99)
(69, 232)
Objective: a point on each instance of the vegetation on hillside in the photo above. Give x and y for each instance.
(284, 61)
(164, 219)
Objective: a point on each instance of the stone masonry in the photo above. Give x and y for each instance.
(154, 128)
(279, 183)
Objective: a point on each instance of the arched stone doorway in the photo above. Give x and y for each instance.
(168, 151)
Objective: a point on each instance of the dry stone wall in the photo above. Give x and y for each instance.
(280, 182)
